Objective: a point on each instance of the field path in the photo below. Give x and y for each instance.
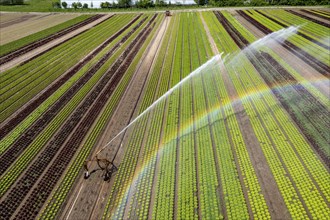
(270, 190)
(49, 45)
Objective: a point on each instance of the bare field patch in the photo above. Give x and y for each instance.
(31, 24)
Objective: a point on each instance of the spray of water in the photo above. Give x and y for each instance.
(207, 71)
(209, 64)
(277, 36)
(268, 41)
(228, 60)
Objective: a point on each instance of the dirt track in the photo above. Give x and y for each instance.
(91, 199)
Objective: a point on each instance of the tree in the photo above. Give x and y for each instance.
(105, 5)
(200, 2)
(161, 3)
(85, 5)
(124, 3)
(64, 5)
(74, 5)
(144, 4)
(258, 2)
(11, 2)
(56, 4)
(79, 5)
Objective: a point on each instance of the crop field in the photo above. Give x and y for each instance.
(15, 26)
(210, 114)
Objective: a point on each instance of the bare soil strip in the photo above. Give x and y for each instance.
(92, 105)
(39, 22)
(118, 204)
(46, 47)
(8, 17)
(22, 113)
(16, 21)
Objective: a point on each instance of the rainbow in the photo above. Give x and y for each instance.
(187, 127)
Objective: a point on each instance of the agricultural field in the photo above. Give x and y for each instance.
(15, 26)
(206, 114)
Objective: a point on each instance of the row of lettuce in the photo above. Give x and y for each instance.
(196, 161)
(11, 46)
(188, 157)
(312, 124)
(33, 67)
(31, 78)
(186, 147)
(61, 192)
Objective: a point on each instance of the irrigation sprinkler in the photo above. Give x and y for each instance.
(108, 167)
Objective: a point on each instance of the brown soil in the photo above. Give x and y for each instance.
(49, 45)
(93, 192)
(15, 21)
(36, 22)
(7, 17)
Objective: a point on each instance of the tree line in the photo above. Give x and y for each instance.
(218, 3)
(264, 2)
(11, 2)
(161, 3)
